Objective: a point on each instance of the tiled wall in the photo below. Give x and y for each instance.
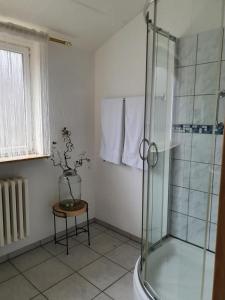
(194, 122)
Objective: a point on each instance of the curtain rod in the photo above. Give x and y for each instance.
(18, 28)
(55, 40)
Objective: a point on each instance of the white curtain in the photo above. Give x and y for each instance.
(24, 109)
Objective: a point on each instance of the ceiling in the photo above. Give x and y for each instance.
(87, 22)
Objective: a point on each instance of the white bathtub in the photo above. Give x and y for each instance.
(138, 288)
(167, 266)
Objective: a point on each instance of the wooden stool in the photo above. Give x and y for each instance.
(61, 213)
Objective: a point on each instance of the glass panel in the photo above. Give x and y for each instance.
(12, 100)
(184, 127)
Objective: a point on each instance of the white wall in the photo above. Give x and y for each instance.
(71, 104)
(115, 193)
(119, 71)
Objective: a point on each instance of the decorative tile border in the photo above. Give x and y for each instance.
(201, 129)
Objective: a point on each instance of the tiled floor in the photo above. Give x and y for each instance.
(101, 272)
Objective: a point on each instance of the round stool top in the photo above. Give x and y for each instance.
(62, 213)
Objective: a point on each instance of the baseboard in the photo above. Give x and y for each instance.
(118, 230)
(51, 238)
(39, 243)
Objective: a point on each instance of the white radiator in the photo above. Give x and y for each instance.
(14, 210)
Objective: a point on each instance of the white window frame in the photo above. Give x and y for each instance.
(31, 75)
(26, 81)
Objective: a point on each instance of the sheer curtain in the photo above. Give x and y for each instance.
(24, 108)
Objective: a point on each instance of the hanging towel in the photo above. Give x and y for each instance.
(112, 126)
(134, 131)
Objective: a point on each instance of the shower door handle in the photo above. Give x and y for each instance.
(221, 94)
(155, 155)
(142, 156)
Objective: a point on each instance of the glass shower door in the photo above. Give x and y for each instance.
(183, 134)
(158, 131)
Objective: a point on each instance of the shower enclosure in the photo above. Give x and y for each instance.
(181, 149)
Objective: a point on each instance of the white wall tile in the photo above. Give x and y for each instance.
(183, 148)
(206, 79)
(196, 231)
(218, 151)
(197, 147)
(214, 208)
(221, 110)
(202, 147)
(186, 51)
(209, 46)
(198, 204)
(181, 173)
(183, 110)
(179, 199)
(216, 179)
(212, 237)
(223, 56)
(205, 109)
(200, 176)
(178, 226)
(185, 79)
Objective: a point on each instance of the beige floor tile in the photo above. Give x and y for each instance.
(79, 257)
(103, 296)
(122, 289)
(56, 249)
(98, 227)
(72, 288)
(125, 255)
(30, 259)
(48, 273)
(104, 243)
(7, 271)
(117, 235)
(134, 244)
(102, 273)
(17, 288)
(39, 297)
(82, 237)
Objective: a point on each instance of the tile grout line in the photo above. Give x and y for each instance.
(198, 162)
(20, 273)
(2, 282)
(72, 270)
(198, 64)
(115, 282)
(104, 255)
(184, 187)
(78, 271)
(54, 255)
(34, 266)
(103, 294)
(183, 214)
(122, 243)
(61, 280)
(195, 66)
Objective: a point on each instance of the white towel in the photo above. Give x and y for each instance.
(112, 123)
(134, 131)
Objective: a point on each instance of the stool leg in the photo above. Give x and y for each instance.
(67, 242)
(89, 243)
(76, 224)
(54, 229)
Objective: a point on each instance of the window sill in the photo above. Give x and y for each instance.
(22, 158)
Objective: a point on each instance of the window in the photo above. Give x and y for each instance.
(24, 126)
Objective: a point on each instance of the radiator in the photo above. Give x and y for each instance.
(14, 210)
